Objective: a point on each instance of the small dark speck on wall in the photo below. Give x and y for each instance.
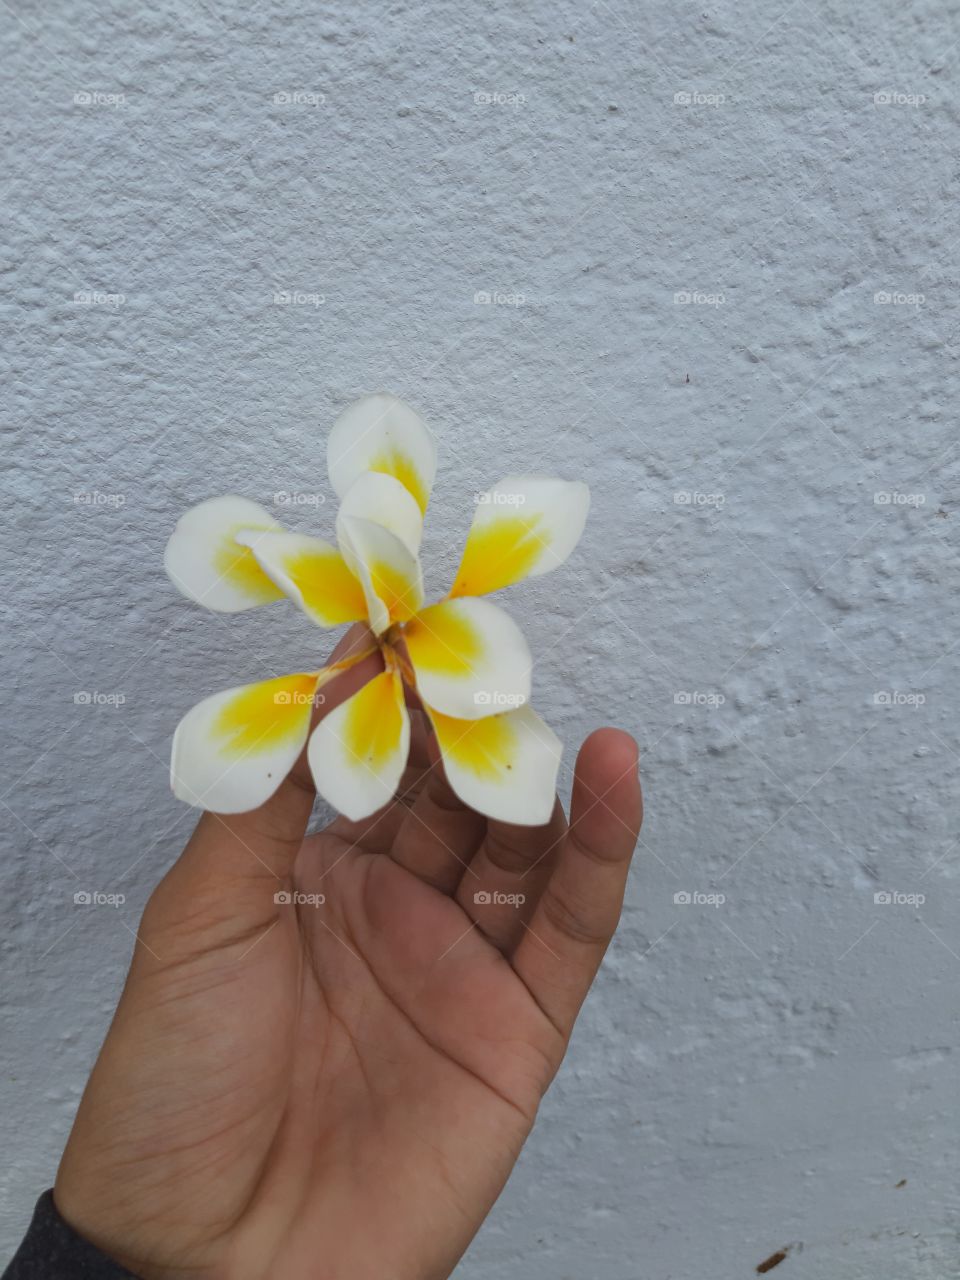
(773, 1261)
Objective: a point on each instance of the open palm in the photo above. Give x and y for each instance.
(330, 1050)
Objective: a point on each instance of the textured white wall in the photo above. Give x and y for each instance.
(746, 1076)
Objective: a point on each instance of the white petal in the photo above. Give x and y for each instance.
(389, 574)
(358, 752)
(384, 500)
(503, 766)
(381, 433)
(312, 573)
(206, 564)
(470, 658)
(523, 526)
(232, 751)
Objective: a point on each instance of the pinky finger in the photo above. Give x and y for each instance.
(579, 907)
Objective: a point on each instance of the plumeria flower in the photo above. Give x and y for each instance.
(463, 658)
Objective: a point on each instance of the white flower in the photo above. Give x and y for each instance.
(466, 660)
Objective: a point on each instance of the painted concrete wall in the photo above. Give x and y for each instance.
(686, 254)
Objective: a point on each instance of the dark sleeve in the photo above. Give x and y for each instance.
(52, 1250)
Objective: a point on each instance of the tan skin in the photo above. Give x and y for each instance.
(341, 1090)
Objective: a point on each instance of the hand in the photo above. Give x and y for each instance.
(297, 1090)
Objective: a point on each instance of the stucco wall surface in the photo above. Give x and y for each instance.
(686, 254)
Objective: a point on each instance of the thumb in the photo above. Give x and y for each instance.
(258, 848)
